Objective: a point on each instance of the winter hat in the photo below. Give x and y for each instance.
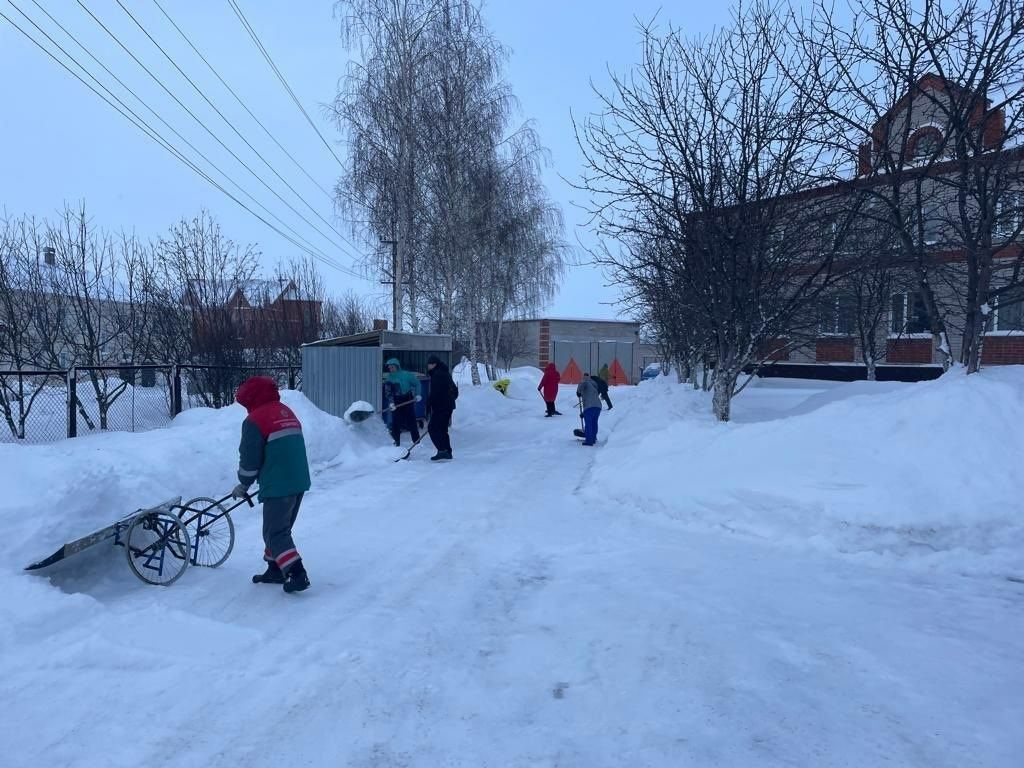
(257, 391)
(434, 359)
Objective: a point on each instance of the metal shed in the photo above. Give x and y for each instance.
(338, 372)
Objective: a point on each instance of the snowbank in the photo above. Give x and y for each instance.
(930, 469)
(52, 493)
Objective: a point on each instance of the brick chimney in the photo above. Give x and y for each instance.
(864, 159)
(380, 325)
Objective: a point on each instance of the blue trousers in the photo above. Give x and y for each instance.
(590, 417)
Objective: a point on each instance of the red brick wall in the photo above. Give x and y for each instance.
(1002, 350)
(774, 349)
(995, 128)
(864, 159)
(909, 351)
(544, 343)
(833, 351)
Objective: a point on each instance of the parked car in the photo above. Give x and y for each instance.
(652, 371)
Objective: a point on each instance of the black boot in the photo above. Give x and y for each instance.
(441, 456)
(272, 575)
(296, 579)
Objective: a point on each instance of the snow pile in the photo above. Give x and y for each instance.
(359, 411)
(52, 493)
(930, 469)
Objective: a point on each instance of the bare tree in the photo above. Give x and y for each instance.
(438, 171)
(30, 321)
(707, 150)
(930, 113)
(202, 272)
(105, 285)
(348, 315)
(378, 108)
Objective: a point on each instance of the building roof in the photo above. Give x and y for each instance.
(424, 342)
(575, 320)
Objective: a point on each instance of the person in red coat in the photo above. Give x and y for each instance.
(548, 388)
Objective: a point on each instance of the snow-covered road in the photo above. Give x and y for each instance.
(500, 610)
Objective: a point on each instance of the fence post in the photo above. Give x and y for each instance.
(175, 391)
(72, 402)
(291, 377)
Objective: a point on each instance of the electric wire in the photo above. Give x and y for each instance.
(206, 128)
(132, 117)
(238, 133)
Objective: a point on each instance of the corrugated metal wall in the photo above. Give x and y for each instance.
(335, 377)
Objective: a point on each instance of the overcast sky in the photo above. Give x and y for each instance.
(59, 143)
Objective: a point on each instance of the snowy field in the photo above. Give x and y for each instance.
(830, 580)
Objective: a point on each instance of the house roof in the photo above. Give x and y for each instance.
(927, 82)
(254, 292)
(605, 320)
(399, 340)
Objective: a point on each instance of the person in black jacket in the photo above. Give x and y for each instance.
(602, 388)
(440, 404)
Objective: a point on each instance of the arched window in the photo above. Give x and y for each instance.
(925, 143)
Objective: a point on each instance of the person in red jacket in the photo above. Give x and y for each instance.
(548, 388)
(273, 453)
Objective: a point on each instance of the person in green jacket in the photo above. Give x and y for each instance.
(273, 452)
(404, 389)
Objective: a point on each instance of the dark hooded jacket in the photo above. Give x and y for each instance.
(549, 383)
(272, 450)
(442, 387)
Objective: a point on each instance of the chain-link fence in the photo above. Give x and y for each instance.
(214, 386)
(33, 406)
(121, 398)
(45, 406)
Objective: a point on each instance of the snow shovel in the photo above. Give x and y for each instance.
(580, 432)
(406, 455)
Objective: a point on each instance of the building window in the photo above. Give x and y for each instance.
(1009, 313)
(836, 316)
(926, 144)
(932, 224)
(1009, 214)
(909, 314)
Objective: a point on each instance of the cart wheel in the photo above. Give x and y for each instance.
(157, 547)
(210, 530)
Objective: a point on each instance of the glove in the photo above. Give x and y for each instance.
(391, 407)
(240, 491)
(418, 398)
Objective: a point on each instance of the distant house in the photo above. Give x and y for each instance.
(254, 312)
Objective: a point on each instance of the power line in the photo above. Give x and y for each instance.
(233, 128)
(266, 55)
(198, 121)
(239, 100)
(152, 112)
(141, 124)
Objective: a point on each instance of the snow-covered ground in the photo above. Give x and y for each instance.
(826, 581)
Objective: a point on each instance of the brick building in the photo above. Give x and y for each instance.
(909, 348)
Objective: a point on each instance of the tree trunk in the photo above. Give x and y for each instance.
(474, 355)
(977, 320)
(721, 401)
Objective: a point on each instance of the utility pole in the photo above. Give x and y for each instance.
(396, 283)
